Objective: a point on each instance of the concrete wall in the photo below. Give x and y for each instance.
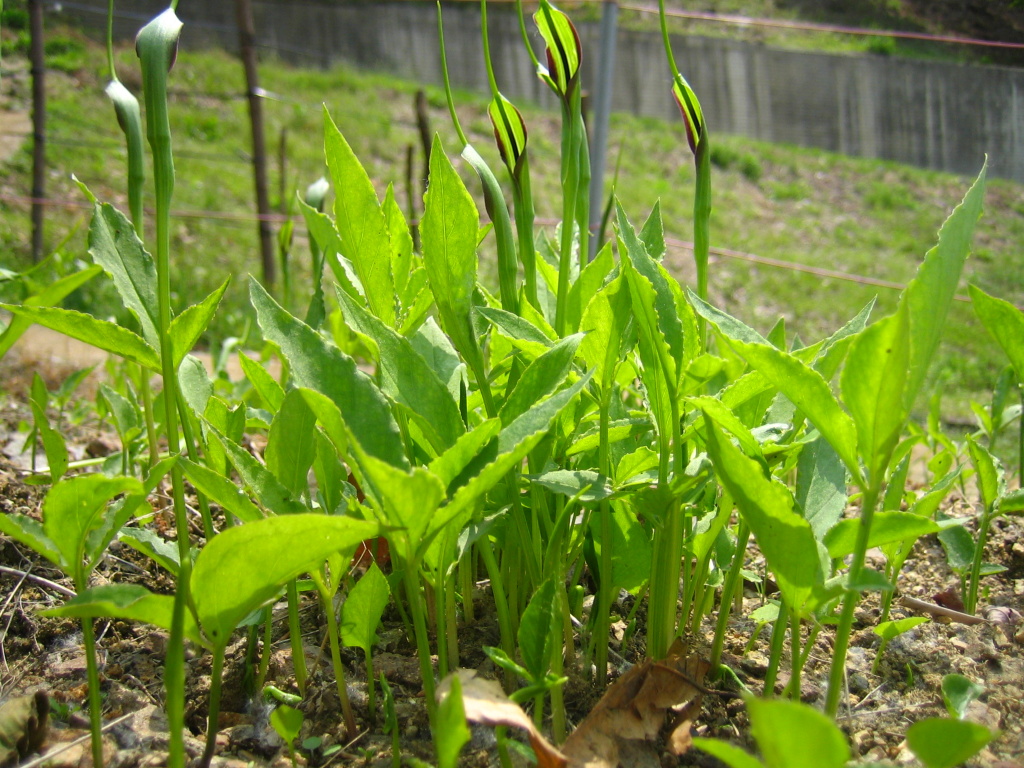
(929, 114)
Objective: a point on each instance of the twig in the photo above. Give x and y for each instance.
(957, 616)
(54, 752)
(38, 580)
(7, 604)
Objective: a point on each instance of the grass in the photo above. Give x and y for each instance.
(812, 207)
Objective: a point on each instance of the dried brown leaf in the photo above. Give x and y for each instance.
(485, 702)
(635, 709)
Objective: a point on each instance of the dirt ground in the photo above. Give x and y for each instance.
(40, 654)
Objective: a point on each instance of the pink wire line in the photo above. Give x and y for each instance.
(807, 26)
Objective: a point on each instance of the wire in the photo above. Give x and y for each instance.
(807, 26)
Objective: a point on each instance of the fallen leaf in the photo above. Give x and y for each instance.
(486, 703)
(635, 709)
(949, 598)
(23, 726)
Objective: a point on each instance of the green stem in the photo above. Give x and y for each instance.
(268, 642)
(174, 669)
(732, 582)
(156, 45)
(775, 656)
(371, 688)
(412, 593)
(702, 226)
(295, 635)
(500, 603)
(795, 648)
(339, 669)
(850, 600)
(95, 703)
(193, 455)
(214, 709)
(984, 523)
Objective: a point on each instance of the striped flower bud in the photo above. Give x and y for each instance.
(693, 117)
(509, 131)
(564, 51)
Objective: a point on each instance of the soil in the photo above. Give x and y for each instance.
(43, 654)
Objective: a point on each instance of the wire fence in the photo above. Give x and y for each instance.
(245, 157)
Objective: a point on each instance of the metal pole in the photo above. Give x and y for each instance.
(35, 9)
(247, 40)
(602, 111)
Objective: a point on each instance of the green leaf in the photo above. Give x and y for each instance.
(451, 733)
(222, 491)
(291, 443)
(872, 384)
(244, 566)
(448, 233)
(542, 377)
(590, 279)
(48, 296)
(536, 627)
(110, 337)
(1005, 323)
(585, 485)
(29, 532)
(186, 328)
(317, 365)
(631, 547)
(785, 538)
(523, 334)
(287, 722)
(607, 323)
(958, 692)
(361, 223)
(162, 552)
(930, 294)
(726, 324)
(362, 609)
(450, 464)
(959, 546)
(131, 602)
(787, 732)
(732, 756)
(821, 486)
(124, 411)
(115, 246)
(77, 506)
(890, 630)
(271, 493)
(410, 500)
(269, 390)
(886, 527)
(988, 473)
(512, 445)
(941, 743)
(407, 378)
(652, 233)
(53, 442)
(809, 392)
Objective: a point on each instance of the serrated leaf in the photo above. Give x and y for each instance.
(541, 378)
(785, 538)
(361, 223)
(536, 627)
(186, 329)
(407, 378)
(115, 246)
(930, 294)
(872, 383)
(102, 334)
(319, 366)
(291, 443)
(131, 602)
(244, 566)
(48, 296)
